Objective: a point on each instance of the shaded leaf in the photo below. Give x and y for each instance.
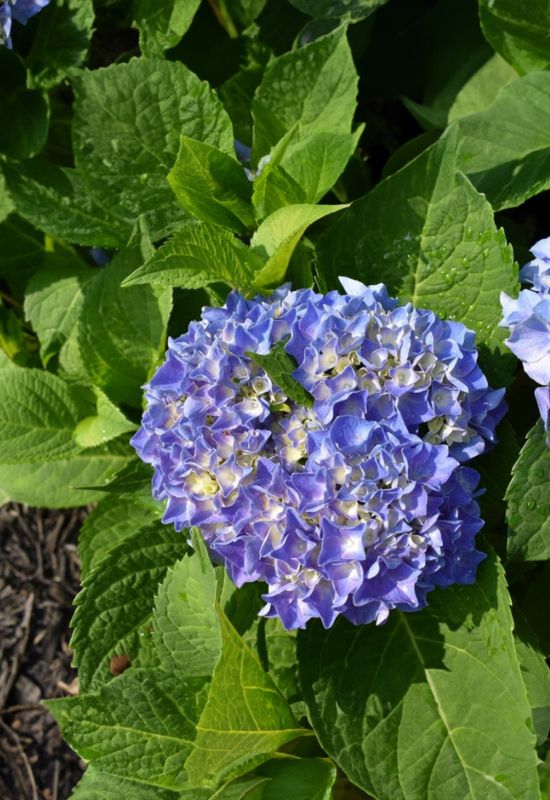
(528, 512)
(161, 25)
(64, 31)
(518, 31)
(440, 709)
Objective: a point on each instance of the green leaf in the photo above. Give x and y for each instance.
(116, 600)
(212, 185)
(128, 119)
(441, 251)
(63, 203)
(6, 203)
(186, 628)
(140, 726)
(96, 785)
(353, 10)
(38, 416)
(64, 31)
(505, 149)
(24, 112)
(535, 673)
(281, 657)
(519, 32)
(315, 86)
(282, 778)
(304, 172)
(23, 252)
(440, 709)
(482, 88)
(527, 497)
(280, 365)
(53, 298)
(55, 484)
(107, 423)
(161, 25)
(114, 519)
(278, 235)
(197, 256)
(121, 331)
(235, 735)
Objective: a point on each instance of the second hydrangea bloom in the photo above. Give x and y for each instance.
(528, 318)
(354, 506)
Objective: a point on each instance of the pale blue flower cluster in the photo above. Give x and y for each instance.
(356, 504)
(19, 10)
(528, 318)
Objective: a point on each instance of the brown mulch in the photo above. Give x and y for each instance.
(39, 576)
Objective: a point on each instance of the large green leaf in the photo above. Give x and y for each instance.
(431, 238)
(279, 234)
(518, 31)
(116, 600)
(430, 705)
(528, 511)
(198, 255)
(24, 112)
(121, 331)
(115, 518)
(186, 628)
(41, 417)
(161, 25)
(56, 484)
(54, 296)
(314, 87)
(505, 149)
(22, 249)
(64, 203)
(212, 185)
(140, 726)
(128, 119)
(96, 785)
(245, 719)
(482, 88)
(64, 31)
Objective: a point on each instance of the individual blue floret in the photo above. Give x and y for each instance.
(528, 318)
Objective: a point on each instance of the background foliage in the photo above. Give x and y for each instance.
(404, 141)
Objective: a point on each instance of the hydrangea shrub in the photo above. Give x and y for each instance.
(314, 563)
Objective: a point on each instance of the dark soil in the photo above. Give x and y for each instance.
(39, 576)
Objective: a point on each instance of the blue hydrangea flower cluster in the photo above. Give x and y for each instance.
(19, 10)
(355, 505)
(528, 318)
